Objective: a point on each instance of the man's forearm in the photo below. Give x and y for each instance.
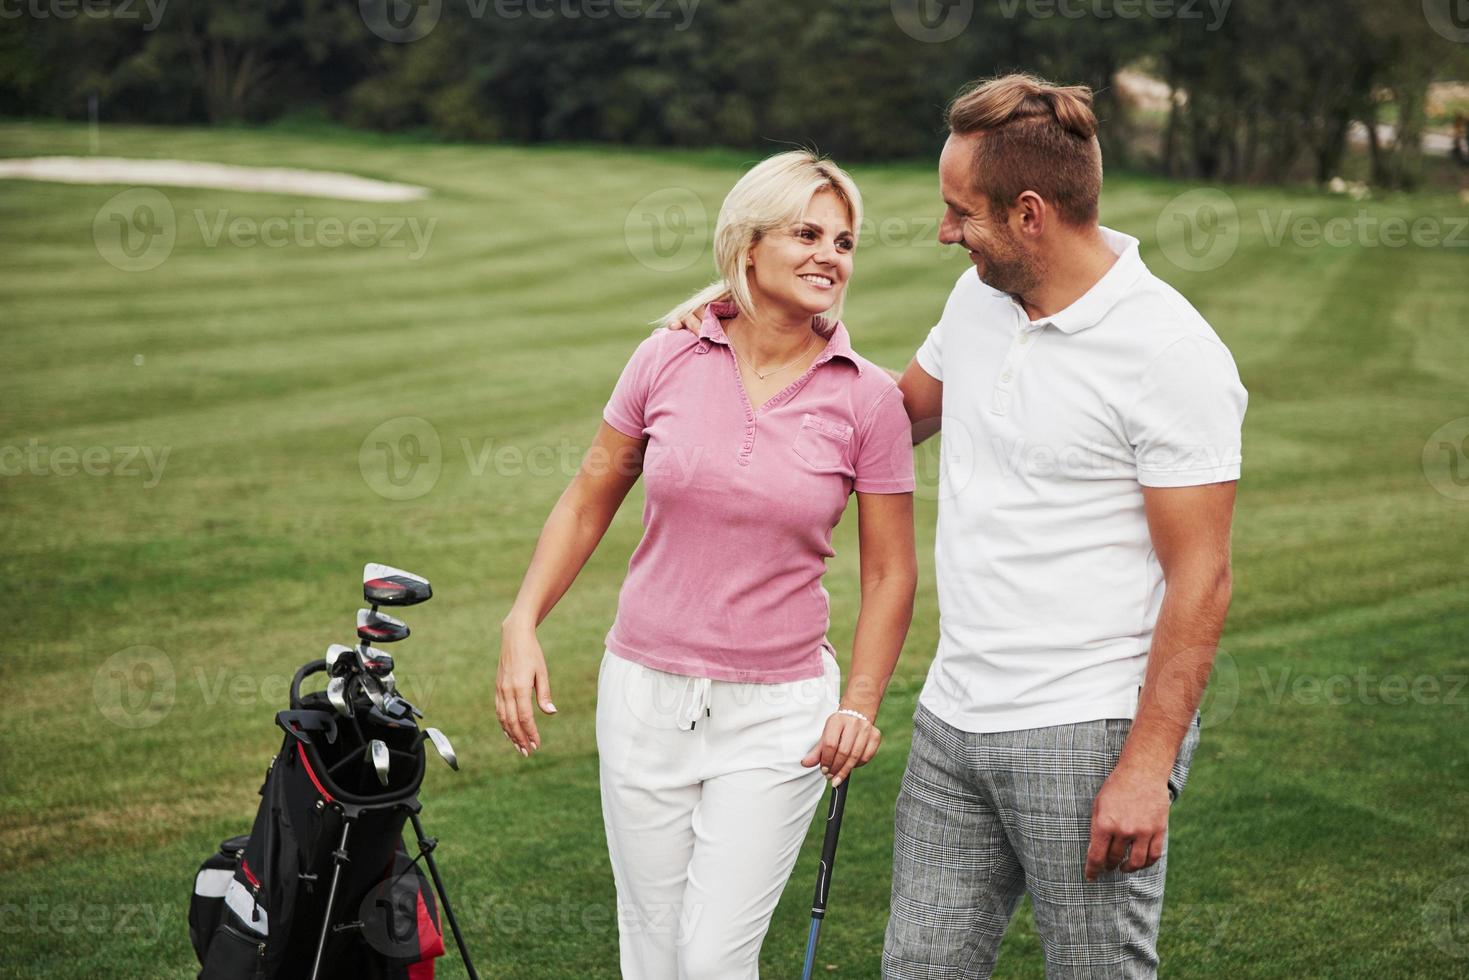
(1182, 655)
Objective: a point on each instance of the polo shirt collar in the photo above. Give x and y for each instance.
(1093, 305)
(838, 344)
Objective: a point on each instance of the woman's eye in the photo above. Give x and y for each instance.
(845, 244)
(807, 234)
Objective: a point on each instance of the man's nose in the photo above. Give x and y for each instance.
(949, 231)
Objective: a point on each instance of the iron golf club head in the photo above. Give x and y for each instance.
(376, 627)
(389, 683)
(445, 747)
(397, 706)
(339, 659)
(374, 662)
(373, 690)
(384, 585)
(336, 693)
(378, 750)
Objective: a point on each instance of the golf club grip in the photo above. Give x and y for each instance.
(307, 669)
(829, 847)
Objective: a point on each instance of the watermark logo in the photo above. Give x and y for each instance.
(1448, 18)
(135, 230)
(401, 459)
(933, 21)
(667, 230)
(1198, 230)
(1446, 917)
(400, 21)
(134, 688)
(1446, 459)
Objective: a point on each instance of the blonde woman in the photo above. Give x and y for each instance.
(719, 703)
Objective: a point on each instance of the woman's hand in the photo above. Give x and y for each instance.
(847, 742)
(522, 678)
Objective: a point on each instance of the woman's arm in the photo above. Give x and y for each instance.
(889, 579)
(608, 471)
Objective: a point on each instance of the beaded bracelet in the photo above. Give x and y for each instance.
(854, 713)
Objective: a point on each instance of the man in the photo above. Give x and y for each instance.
(1091, 444)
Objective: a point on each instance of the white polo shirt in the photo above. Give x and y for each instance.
(1047, 581)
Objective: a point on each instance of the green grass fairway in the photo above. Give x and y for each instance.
(1324, 832)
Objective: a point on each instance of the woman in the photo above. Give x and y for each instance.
(719, 695)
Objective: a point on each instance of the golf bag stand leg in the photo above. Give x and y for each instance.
(339, 858)
(426, 847)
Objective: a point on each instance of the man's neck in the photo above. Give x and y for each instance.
(1078, 262)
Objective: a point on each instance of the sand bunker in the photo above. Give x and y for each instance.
(189, 173)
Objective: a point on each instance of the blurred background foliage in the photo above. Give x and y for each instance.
(1250, 91)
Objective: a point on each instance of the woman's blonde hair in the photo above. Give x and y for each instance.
(773, 194)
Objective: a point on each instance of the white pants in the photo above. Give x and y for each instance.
(705, 803)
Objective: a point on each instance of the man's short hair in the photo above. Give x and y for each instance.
(1033, 136)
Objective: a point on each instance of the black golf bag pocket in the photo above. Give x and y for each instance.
(206, 905)
(234, 954)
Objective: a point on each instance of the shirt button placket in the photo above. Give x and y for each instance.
(749, 444)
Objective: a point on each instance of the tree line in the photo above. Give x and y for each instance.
(1262, 91)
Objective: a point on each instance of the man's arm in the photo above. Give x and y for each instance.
(1189, 527)
(923, 398)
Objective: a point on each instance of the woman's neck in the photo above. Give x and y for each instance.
(773, 337)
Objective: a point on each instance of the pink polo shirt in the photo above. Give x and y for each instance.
(742, 499)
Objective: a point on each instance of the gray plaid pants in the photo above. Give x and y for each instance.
(983, 818)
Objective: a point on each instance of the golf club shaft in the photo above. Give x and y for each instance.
(834, 812)
(426, 849)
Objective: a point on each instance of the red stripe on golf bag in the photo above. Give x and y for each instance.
(301, 750)
(430, 939)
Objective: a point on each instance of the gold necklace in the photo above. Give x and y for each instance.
(762, 377)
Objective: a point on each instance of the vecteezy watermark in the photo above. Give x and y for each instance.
(121, 10)
(38, 917)
(667, 230)
(1448, 18)
(1446, 917)
(227, 685)
(134, 688)
(1212, 12)
(1199, 230)
(403, 458)
(37, 459)
(933, 21)
(405, 21)
(1446, 459)
(1364, 687)
(936, 21)
(301, 230)
(136, 230)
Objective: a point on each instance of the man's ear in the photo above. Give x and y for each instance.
(1032, 213)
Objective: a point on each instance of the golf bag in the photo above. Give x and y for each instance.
(322, 886)
(258, 905)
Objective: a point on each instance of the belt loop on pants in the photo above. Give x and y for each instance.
(694, 704)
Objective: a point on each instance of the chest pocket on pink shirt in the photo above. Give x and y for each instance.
(823, 443)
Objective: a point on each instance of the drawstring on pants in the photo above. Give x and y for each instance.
(694, 703)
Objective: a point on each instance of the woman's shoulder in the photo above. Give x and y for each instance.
(663, 345)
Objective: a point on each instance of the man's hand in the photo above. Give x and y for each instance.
(1129, 823)
(692, 321)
